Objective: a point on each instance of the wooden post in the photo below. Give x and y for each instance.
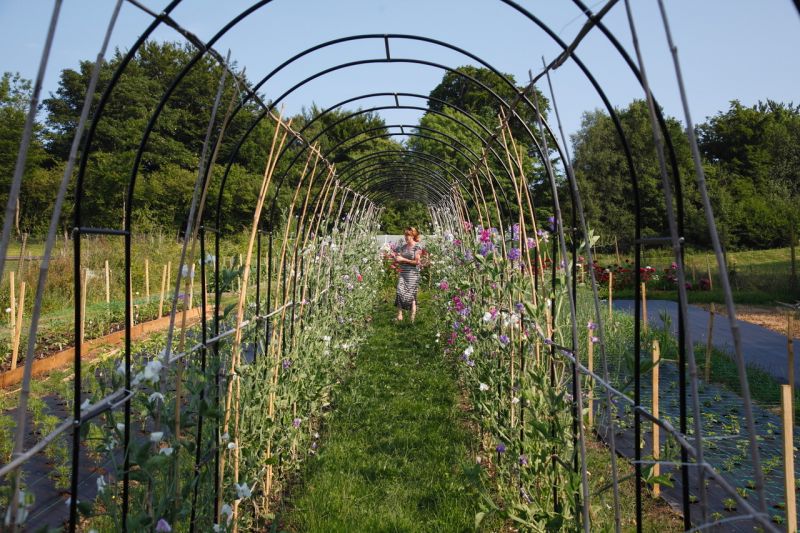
(709, 342)
(84, 292)
(108, 283)
(20, 262)
(708, 269)
(18, 329)
(590, 366)
(13, 301)
(788, 459)
(616, 249)
(169, 275)
(147, 279)
(656, 428)
(790, 356)
(610, 293)
(191, 285)
(644, 306)
(163, 288)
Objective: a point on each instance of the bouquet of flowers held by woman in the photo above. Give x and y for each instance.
(424, 259)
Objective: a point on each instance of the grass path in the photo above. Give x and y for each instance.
(394, 450)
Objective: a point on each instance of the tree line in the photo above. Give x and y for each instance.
(751, 155)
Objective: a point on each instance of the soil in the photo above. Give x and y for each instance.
(774, 318)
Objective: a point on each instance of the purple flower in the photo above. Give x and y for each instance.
(514, 254)
(591, 325)
(504, 340)
(515, 232)
(287, 364)
(501, 448)
(485, 236)
(464, 312)
(468, 255)
(470, 363)
(552, 222)
(314, 445)
(456, 326)
(523, 460)
(520, 307)
(486, 248)
(296, 422)
(548, 342)
(443, 285)
(595, 340)
(163, 526)
(531, 243)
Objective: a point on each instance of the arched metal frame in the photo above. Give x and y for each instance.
(204, 48)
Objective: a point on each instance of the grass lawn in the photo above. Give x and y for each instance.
(395, 450)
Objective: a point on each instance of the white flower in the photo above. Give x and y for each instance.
(121, 426)
(469, 350)
(225, 437)
(186, 271)
(8, 309)
(137, 379)
(166, 451)
(121, 369)
(101, 484)
(152, 370)
(155, 397)
(242, 491)
(483, 387)
(87, 403)
(515, 400)
(227, 511)
(487, 316)
(156, 436)
(217, 528)
(326, 338)
(316, 435)
(231, 445)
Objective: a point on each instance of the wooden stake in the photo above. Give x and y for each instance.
(21, 261)
(169, 275)
(147, 279)
(12, 286)
(656, 428)
(191, 286)
(708, 269)
(163, 288)
(790, 357)
(709, 343)
(610, 293)
(590, 365)
(788, 459)
(644, 306)
(18, 329)
(616, 249)
(84, 292)
(108, 283)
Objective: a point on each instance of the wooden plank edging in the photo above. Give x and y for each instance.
(92, 348)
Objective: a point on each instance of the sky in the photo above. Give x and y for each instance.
(729, 49)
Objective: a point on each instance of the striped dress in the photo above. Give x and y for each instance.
(408, 280)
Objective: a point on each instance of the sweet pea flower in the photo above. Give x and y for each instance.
(504, 340)
(163, 526)
(296, 422)
(483, 387)
(152, 371)
(242, 491)
(501, 448)
(156, 436)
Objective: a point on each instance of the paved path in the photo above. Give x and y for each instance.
(761, 347)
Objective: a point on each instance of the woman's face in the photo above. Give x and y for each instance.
(409, 239)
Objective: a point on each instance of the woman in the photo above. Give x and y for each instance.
(408, 259)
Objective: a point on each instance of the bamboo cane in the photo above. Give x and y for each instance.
(644, 307)
(163, 288)
(590, 365)
(788, 459)
(83, 295)
(147, 279)
(656, 429)
(108, 283)
(709, 343)
(18, 329)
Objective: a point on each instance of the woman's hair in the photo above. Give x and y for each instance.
(413, 232)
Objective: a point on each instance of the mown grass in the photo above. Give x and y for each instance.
(394, 452)
(759, 277)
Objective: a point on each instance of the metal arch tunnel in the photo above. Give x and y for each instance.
(370, 180)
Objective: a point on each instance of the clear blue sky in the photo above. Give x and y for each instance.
(730, 49)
